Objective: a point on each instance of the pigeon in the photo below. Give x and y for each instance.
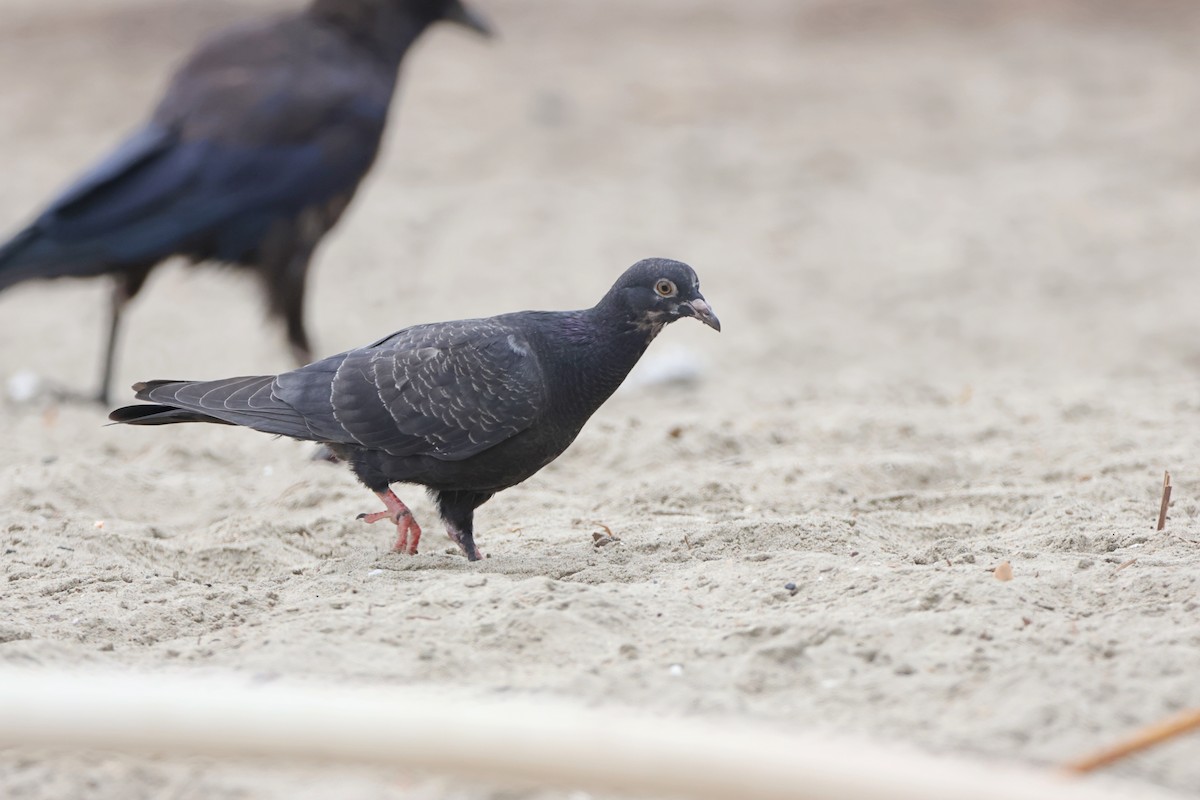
(465, 408)
(250, 158)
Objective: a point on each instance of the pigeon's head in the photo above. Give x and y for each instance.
(657, 291)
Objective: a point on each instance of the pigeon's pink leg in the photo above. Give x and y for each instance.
(456, 536)
(407, 527)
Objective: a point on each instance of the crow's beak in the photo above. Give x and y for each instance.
(705, 314)
(460, 14)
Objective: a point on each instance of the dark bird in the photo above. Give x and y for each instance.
(465, 408)
(250, 158)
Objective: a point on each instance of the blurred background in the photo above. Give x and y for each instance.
(977, 189)
(952, 244)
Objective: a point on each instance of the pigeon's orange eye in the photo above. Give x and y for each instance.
(665, 288)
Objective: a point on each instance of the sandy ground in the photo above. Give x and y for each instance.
(953, 247)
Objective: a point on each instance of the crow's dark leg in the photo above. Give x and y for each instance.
(114, 325)
(458, 512)
(287, 252)
(409, 532)
(297, 336)
(126, 286)
(283, 259)
(309, 230)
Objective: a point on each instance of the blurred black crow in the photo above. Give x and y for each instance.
(250, 158)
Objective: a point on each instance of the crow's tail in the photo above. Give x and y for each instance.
(31, 254)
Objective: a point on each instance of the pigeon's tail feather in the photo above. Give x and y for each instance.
(160, 415)
(249, 401)
(142, 389)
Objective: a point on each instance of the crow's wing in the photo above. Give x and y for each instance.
(68, 237)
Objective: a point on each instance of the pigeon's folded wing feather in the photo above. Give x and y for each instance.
(448, 391)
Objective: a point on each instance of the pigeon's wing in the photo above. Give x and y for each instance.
(262, 124)
(449, 391)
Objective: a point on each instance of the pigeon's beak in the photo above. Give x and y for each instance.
(704, 313)
(460, 14)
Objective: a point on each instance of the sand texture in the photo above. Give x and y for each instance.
(953, 246)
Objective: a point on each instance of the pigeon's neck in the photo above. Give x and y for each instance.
(596, 350)
(385, 29)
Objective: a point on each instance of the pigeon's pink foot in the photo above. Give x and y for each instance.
(409, 532)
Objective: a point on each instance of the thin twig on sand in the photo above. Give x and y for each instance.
(1140, 740)
(608, 537)
(1166, 498)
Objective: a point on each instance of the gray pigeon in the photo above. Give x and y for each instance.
(251, 157)
(465, 408)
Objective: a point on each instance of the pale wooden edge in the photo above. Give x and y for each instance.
(523, 741)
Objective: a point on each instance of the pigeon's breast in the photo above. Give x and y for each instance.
(495, 469)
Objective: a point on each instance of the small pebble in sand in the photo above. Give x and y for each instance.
(676, 670)
(98, 524)
(791, 587)
(1004, 572)
(23, 386)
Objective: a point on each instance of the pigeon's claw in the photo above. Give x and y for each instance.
(409, 532)
(465, 542)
